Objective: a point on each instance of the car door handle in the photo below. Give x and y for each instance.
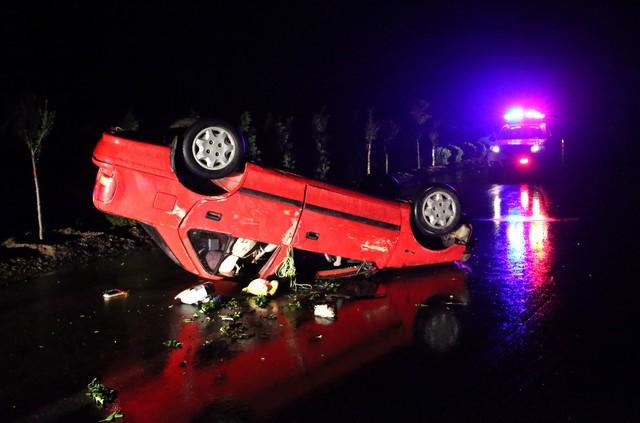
(313, 236)
(214, 216)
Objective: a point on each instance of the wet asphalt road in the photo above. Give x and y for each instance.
(546, 334)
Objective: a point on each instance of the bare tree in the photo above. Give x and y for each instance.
(434, 139)
(390, 132)
(371, 130)
(249, 131)
(319, 123)
(33, 124)
(420, 114)
(129, 122)
(283, 135)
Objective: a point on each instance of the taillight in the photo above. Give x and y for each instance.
(524, 161)
(105, 185)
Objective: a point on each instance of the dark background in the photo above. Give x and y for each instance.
(577, 61)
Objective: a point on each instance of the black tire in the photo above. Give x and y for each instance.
(223, 158)
(437, 211)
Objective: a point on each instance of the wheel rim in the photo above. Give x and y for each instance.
(439, 209)
(214, 148)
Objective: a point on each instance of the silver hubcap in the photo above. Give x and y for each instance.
(439, 209)
(214, 148)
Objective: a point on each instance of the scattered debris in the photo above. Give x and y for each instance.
(261, 300)
(261, 287)
(22, 258)
(236, 331)
(326, 311)
(115, 415)
(172, 343)
(100, 394)
(293, 304)
(113, 293)
(196, 294)
(210, 306)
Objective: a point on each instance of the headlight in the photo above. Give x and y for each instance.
(495, 149)
(535, 148)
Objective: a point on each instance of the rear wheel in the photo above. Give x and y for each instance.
(437, 211)
(212, 149)
(437, 327)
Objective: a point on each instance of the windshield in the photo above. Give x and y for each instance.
(521, 133)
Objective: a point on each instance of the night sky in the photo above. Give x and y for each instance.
(97, 61)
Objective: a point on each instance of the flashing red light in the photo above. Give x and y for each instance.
(533, 114)
(524, 161)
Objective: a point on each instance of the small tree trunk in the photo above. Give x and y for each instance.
(368, 158)
(433, 155)
(386, 163)
(418, 150)
(35, 181)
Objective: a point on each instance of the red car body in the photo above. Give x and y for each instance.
(137, 180)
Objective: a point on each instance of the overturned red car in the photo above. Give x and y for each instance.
(218, 216)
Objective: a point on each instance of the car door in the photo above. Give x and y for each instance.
(344, 223)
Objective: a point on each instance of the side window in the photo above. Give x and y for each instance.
(210, 248)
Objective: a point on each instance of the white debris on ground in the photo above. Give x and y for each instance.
(199, 293)
(324, 310)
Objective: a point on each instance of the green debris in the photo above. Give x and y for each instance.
(217, 303)
(329, 286)
(172, 343)
(117, 414)
(270, 317)
(287, 269)
(210, 306)
(261, 300)
(100, 394)
(293, 304)
(233, 315)
(231, 303)
(236, 331)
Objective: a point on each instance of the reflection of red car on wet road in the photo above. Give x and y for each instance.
(291, 355)
(215, 216)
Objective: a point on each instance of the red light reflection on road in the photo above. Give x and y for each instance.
(522, 247)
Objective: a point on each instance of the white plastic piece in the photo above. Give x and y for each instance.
(324, 310)
(228, 267)
(264, 250)
(335, 260)
(242, 247)
(195, 294)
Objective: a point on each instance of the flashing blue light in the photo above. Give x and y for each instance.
(514, 115)
(517, 114)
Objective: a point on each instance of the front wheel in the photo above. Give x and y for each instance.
(212, 149)
(437, 211)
